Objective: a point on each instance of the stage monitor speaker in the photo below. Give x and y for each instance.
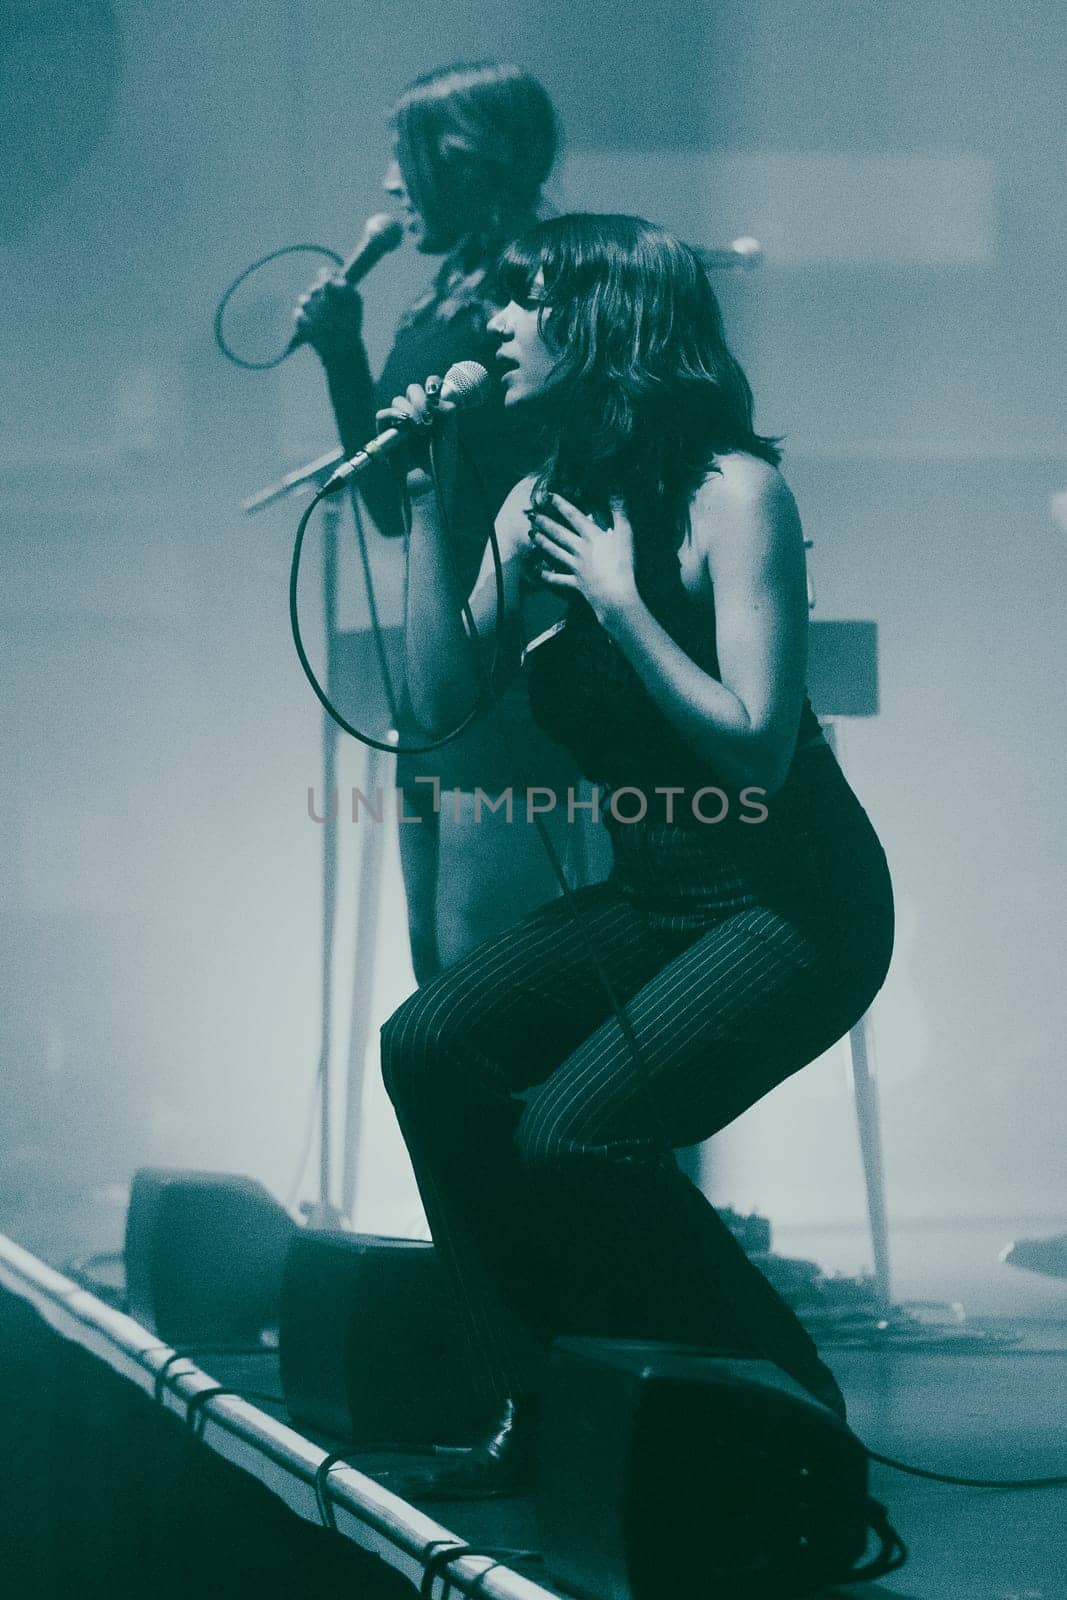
(204, 1252)
(666, 1470)
(371, 1348)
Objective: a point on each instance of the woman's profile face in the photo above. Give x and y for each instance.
(394, 184)
(528, 361)
(433, 235)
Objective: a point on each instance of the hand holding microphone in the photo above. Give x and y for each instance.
(413, 417)
(330, 314)
(407, 422)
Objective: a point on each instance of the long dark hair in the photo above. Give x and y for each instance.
(476, 144)
(646, 393)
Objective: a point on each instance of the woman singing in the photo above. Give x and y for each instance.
(474, 146)
(747, 921)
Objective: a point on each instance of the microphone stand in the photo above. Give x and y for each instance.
(864, 1081)
(323, 1213)
(314, 473)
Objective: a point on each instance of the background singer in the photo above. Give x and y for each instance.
(474, 146)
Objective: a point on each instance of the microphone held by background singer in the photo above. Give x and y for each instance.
(382, 233)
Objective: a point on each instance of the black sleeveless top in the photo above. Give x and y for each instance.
(585, 694)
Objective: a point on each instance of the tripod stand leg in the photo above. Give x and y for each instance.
(865, 1096)
(865, 1099)
(364, 959)
(324, 1214)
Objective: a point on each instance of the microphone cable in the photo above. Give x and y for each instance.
(228, 294)
(377, 632)
(1058, 1481)
(390, 747)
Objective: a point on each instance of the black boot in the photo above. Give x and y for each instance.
(501, 1465)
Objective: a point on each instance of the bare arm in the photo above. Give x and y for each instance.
(444, 680)
(746, 527)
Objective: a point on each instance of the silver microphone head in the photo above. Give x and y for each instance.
(466, 384)
(748, 249)
(383, 226)
(743, 252)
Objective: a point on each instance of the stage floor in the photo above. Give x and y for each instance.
(978, 1409)
(991, 1415)
(995, 1413)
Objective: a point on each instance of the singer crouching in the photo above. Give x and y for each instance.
(540, 1113)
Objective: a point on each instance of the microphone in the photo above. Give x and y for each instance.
(466, 384)
(743, 252)
(381, 233)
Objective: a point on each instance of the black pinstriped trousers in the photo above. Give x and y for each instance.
(542, 1149)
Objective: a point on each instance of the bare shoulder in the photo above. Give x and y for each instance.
(745, 511)
(743, 483)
